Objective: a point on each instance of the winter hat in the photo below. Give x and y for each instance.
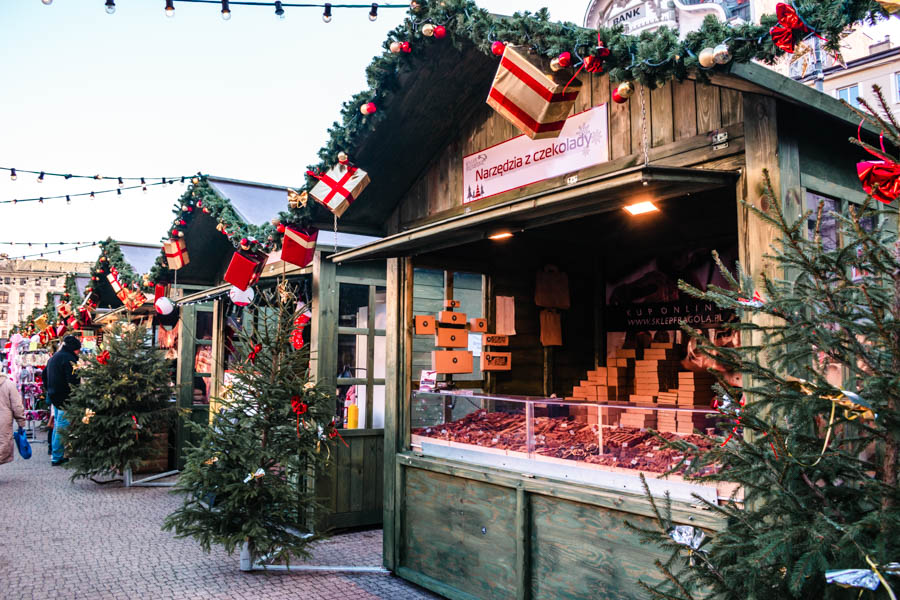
(71, 343)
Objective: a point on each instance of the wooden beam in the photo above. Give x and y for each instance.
(323, 343)
(394, 370)
(370, 357)
(523, 545)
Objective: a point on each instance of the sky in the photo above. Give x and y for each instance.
(137, 94)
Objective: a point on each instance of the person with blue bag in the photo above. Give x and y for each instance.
(11, 409)
(60, 378)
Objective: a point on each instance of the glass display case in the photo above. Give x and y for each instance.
(578, 441)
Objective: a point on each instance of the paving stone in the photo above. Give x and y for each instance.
(83, 540)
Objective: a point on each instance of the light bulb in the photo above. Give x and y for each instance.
(279, 10)
(47, 2)
(12, 174)
(226, 12)
(121, 182)
(170, 8)
(326, 15)
(40, 178)
(110, 6)
(373, 14)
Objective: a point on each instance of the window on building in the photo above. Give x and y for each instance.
(4, 297)
(37, 298)
(828, 227)
(361, 351)
(3, 334)
(850, 94)
(6, 280)
(3, 314)
(52, 283)
(23, 281)
(21, 297)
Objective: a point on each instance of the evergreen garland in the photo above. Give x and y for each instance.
(650, 58)
(119, 405)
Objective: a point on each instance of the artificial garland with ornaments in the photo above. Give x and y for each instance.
(650, 58)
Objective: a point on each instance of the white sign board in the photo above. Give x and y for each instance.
(583, 142)
(635, 13)
(475, 344)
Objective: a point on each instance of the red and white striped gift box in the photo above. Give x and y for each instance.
(176, 254)
(530, 95)
(339, 187)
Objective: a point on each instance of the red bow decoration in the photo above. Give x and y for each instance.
(334, 433)
(591, 63)
(300, 322)
(299, 407)
(103, 357)
(254, 353)
(879, 178)
(789, 22)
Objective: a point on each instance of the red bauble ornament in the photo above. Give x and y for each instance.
(174, 233)
(205, 210)
(565, 59)
(440, 32)
(617, 98)
(405, 47)
(370, 108)
(280, 228)
(498, 47)
(182, 222)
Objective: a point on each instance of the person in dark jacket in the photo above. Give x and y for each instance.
(60, 377)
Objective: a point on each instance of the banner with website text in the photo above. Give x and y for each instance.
(583, 142)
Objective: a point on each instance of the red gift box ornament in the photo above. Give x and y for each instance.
(531, 96)
(299, 245)
(64, 309)
(245, 267)
(176, 254)
(339, 187)
(879, 178)
(789, 23)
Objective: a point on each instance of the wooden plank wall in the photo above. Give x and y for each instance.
(680, 118)
(351, 488)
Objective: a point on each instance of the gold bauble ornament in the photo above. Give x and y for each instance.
(395, 47)
(428, 30)
(707, 58)
(626, 89)
(722, 54)
(554, 64)
(342, 157)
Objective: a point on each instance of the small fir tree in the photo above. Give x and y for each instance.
(122, 401)
(816, 441)
(246, 480)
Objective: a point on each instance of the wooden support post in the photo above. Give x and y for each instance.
(370, 360)
(397, 340)
(323, 345)
(523, 545)
(184, 377)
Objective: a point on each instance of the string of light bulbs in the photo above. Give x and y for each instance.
(41, 254)
(44, 244)
(278, 5)
(42, 175)
(93, 194)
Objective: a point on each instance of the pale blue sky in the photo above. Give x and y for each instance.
(139, 94)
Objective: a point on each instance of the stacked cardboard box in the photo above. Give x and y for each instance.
(695, 389)
(666, 420)
(656, 372)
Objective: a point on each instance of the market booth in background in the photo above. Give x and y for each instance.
(344, 328)
(533, 310)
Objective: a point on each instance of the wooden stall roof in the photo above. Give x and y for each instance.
(449, 85)
(603, 193)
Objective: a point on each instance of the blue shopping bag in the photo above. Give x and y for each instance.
(22, 444)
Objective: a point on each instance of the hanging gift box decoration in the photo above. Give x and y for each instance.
(134, 299)
(64, 309)
(85, 316)
(245, 267)
(536, 101)
(176, 254)
(299, 245)
(339, 187)
(46, 336)
(61, 330)
(40, 323)
(113, 278)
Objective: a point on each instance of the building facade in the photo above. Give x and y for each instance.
(24, 285)
(682, 15)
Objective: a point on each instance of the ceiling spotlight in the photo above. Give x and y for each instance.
(110, 6)
(226, 11)
(326, 15)
(373, 14)
(170, 8)
(640, 208)
(500, 235)
(279, 10)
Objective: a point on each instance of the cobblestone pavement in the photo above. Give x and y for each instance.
(63, 540)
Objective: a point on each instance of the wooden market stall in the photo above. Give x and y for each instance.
(515, 476)
(347, 347)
